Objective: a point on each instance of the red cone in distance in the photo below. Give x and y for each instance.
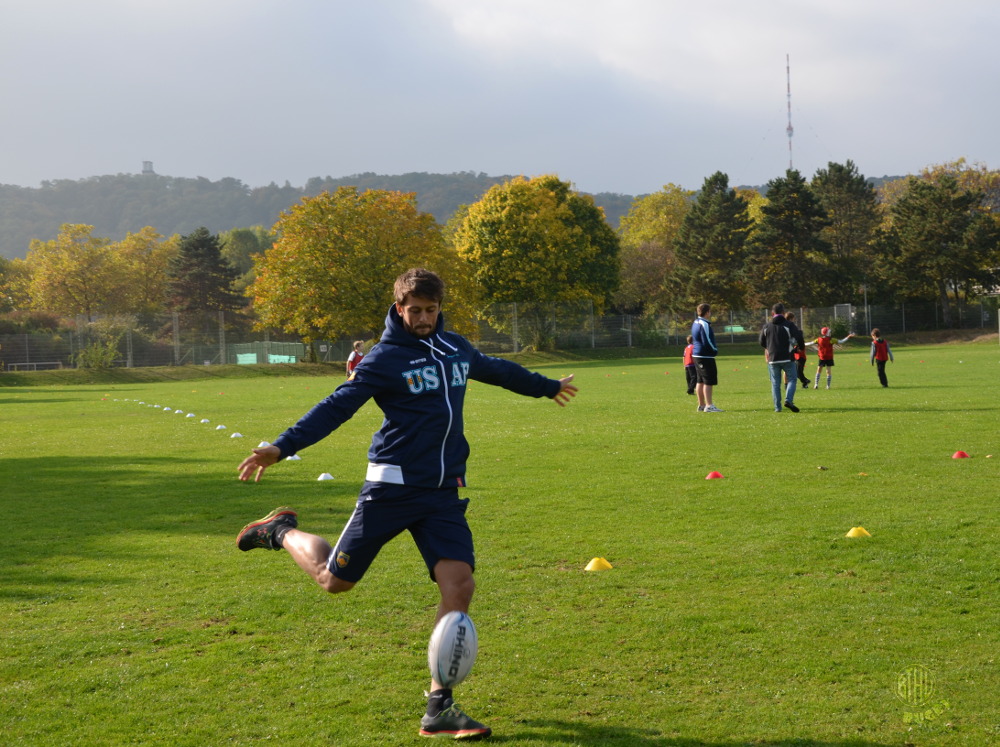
(714, 476)
(959, 455)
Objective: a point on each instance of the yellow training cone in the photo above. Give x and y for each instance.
(598, 564)
(858, 532)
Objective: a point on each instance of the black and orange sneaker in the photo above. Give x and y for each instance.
(260, 533)
(452, 723)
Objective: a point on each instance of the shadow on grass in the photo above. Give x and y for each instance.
(566, 732)
(90, 508)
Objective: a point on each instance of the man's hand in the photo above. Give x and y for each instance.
(261, 458)
(566, 390)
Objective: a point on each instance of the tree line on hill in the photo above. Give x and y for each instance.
(324, 270)
(116, 205)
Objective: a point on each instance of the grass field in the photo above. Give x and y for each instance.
(736, 613)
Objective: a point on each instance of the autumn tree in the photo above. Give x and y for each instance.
(538, 243)
(199, 278)
(709, 249)
(75, 273)
(330, 272)
(647, 236)
(789, 257)
(851, 207)
(144, 258)
(240, 246)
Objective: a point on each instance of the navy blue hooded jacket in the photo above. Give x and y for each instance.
(419, 383)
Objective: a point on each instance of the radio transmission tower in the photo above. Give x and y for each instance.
(790, 130)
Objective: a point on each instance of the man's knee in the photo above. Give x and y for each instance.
(335, 585)
(454, 575)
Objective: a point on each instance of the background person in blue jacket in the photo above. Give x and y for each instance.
(417, 375)
(705, 350)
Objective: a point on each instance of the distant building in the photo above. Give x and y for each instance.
(147, 167)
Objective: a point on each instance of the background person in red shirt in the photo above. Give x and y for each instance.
(355, 357)
(881, 352)
(690, 372)
(824, 347)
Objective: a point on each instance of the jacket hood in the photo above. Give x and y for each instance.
(396, 334)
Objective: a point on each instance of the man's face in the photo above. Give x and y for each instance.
(420, 315)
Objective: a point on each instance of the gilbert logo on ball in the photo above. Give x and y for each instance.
(452, 649)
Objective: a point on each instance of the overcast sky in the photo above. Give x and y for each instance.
(611, 95)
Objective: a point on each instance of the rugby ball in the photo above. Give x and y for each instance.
(452, 650)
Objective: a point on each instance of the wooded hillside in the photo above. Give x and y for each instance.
(118, 204)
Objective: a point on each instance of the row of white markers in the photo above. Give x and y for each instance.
(235, 434)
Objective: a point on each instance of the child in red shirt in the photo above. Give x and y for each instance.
(881, 352)
(355, 357)
(824, 348)
(689, 370)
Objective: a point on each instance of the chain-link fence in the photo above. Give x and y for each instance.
(220, 338)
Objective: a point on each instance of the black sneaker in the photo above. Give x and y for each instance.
(790, 406)
(453, 723)
(260, 533)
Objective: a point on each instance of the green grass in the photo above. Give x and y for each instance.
(736, 613)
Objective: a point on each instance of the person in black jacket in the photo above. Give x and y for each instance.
(800, 350)
(417, 375)
(779, 349)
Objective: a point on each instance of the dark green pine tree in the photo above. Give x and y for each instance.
(946, 243)
(852, 208)
(200, 279)
(709, 249)
(789, 257)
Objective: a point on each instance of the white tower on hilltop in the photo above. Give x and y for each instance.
(147, 167)
(790, 130)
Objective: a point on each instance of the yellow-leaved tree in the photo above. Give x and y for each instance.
(75, 273)
(647, 255)
(331, 270)
(538, 244)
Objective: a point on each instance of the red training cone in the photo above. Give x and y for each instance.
(714, 476)
(959, 455)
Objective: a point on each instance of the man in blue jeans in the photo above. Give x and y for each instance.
(779, 343)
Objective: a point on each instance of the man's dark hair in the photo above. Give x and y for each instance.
(419, 282)
(704, 308)
(778, 308)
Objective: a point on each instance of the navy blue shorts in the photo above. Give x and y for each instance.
(435, 518)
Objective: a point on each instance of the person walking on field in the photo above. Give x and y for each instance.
(800, 349)
(356, 356)
(779, 346)
(881, 352)
(417, 375)
(824, 347)
(704, 352)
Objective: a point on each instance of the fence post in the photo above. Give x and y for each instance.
(514, 328)
(222, 337)
(177, 339)
(593, 337)
(128, 347)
